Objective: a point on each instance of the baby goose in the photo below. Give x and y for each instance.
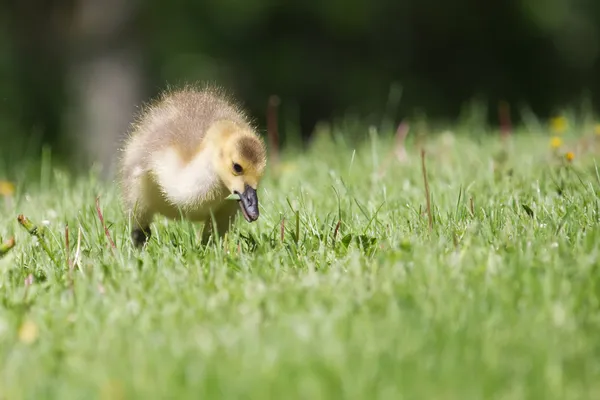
(187, 153)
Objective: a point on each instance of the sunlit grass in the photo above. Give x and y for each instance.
(340, 290)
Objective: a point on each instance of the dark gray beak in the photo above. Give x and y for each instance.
(249, 203)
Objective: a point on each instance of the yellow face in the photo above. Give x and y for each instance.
(241, 164)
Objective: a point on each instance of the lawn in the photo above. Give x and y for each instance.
(342, 289)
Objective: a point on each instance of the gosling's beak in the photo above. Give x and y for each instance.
(248, 203)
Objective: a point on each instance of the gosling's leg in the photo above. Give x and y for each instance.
(223, 219)
(140, 236)
(141, 232)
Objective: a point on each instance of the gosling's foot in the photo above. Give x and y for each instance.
(140, 236)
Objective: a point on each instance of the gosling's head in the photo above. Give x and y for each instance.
(241, 163)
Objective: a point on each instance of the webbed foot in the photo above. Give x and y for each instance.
(140, 236)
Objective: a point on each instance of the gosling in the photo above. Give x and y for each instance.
(185, 155)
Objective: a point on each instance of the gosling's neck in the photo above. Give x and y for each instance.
(188, 185)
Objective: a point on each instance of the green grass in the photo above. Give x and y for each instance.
(501, 303)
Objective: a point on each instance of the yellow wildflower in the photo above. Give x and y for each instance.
(558, 124)
(555, 142)
(6, 188)
(28, 332)
(597, 129)
(569, 156)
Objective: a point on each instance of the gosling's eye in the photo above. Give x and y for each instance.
(237, 168)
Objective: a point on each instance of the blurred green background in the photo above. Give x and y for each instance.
(73, 72)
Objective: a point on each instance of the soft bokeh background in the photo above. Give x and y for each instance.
(72, 72)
